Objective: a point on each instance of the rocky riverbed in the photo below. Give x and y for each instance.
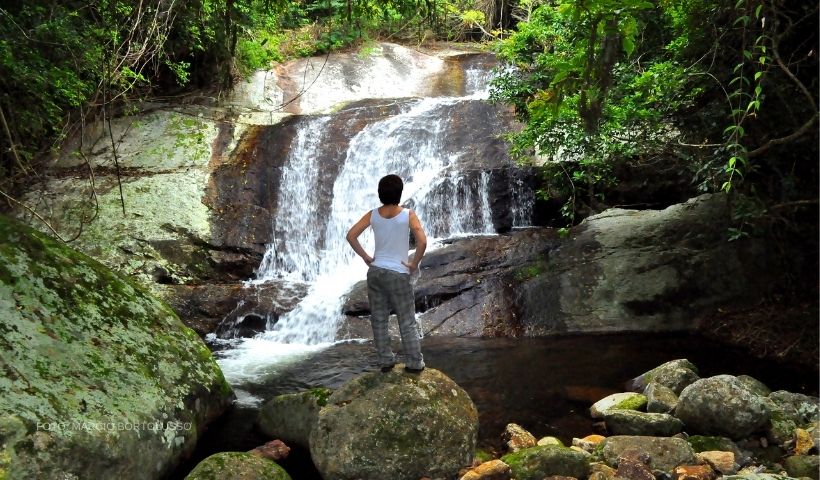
(668, 424)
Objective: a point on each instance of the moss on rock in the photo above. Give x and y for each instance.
(383, 426)
(104, 378)
(704, 443)
(237, 466)
(535, 463)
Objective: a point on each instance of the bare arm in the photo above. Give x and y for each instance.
(353, 238)
(421, 242)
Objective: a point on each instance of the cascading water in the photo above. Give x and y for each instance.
(310, 245)
(294, 254)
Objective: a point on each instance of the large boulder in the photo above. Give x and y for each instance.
(722, 405)
(99, 379)
(647, 270)
(237, 466)
(393, 426)
(664, 453)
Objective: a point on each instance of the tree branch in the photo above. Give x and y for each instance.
(805, 127)
(31, 210)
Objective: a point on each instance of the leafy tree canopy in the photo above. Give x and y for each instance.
(708, 86)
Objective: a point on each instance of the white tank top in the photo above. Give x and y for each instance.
(392, 240)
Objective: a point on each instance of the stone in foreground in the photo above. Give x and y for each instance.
(237, 466)
(492, 470)
(722, 405)
(517, 437)
(100, 379)
(664, 453)
(544, 461)
(395, 426)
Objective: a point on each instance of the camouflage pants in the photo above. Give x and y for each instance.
(386, 289)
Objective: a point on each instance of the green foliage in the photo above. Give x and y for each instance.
(573, 77)
(595, 94)
(258, 51)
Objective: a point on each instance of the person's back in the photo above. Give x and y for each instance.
(392, 237)
(388, 278)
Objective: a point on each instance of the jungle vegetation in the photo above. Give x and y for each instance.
(722, 94)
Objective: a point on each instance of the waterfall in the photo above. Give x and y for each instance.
(309, 240)
(294, 252)
(408, 144)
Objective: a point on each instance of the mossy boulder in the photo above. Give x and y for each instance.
(675, 374)
(237, 466)
(535, 463)
(617, 401)
(664, 453)
(290, 417)
(722, 405)
(803, 466)
(660, 399)
(393, 426)
(99, 379)
(703, 443)
(630, 422)
(755, 385)
(790, 411)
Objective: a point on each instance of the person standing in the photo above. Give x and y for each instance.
(388, 278)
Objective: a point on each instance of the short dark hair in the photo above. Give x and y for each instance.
(390, 187)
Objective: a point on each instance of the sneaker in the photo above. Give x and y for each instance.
(413, 370)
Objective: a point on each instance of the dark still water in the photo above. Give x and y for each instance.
(544, 384)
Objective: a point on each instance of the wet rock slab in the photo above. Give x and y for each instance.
(233, 309)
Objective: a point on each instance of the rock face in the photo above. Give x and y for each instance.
(202, 180)
(722, 405)
(230, 309)
(466, 288)
(641, 271)
(89, 361)
(620, 270)
(394, 426)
